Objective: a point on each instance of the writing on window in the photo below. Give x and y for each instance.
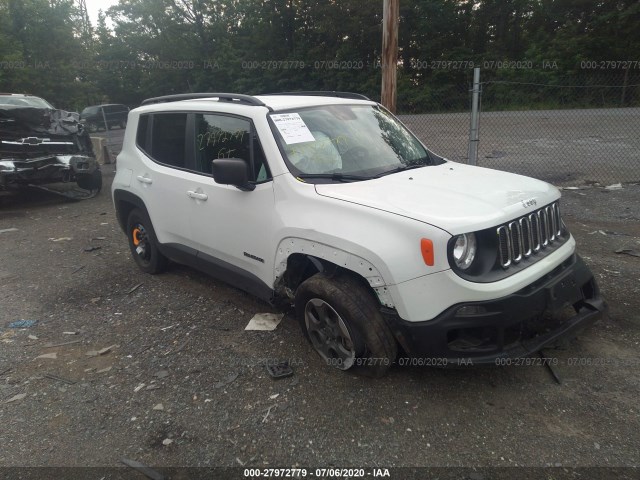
(220, 136)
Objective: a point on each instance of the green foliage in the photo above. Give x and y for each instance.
(144, 48)
(38, 37)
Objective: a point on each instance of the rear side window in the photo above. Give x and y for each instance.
(116, 109)
(168, 139)
(141, 135)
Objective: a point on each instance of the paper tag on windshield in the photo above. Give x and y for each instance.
(292, 128)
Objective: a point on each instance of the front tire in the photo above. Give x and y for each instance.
(143, 243)
(341, 319)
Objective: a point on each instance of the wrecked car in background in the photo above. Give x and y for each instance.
(41, 145)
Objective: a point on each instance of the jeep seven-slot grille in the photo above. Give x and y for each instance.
(528, 235)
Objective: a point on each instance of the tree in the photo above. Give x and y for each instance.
(158, 47)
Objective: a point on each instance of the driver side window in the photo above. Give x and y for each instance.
(223, 136)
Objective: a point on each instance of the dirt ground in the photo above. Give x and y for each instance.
(183, 384)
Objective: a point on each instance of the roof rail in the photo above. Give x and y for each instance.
(222, 97)
(320, 93)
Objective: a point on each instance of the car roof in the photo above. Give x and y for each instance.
(16, 95)
(20, 95)
(23, 97)
(285, 102)
(107, 105)
(274, 102)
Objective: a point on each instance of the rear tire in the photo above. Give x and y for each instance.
(341, 319)
(143, 243)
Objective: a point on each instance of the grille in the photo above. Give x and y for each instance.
(529, 235)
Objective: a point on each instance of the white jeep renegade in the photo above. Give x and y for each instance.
(325, 200)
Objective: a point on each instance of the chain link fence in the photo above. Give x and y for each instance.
(585, 130)
(446, 133)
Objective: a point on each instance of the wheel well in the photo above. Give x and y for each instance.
(124, 203)
(300, 267)
(124, 209)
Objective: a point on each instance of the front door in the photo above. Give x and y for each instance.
(230, 226)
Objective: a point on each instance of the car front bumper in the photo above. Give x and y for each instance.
(45, 169)
(556, 306)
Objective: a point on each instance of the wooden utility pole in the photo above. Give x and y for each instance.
(390, 19)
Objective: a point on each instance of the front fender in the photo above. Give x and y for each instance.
(344, 259)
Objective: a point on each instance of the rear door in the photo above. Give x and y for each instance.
(163, 178)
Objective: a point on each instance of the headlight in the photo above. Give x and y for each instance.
(464, 250)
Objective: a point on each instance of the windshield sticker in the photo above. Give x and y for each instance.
(292, 128)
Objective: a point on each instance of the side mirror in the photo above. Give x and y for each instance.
(232, 171)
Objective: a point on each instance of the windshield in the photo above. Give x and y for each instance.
(353, 142)
(36, 102)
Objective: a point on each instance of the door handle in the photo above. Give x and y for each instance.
(146, 180)
(197, 196)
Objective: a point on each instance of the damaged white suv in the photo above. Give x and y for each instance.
(325, 200)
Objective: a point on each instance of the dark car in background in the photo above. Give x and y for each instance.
(101, 117)
(41, 145)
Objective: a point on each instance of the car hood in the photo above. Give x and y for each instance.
(455, 197)
(27, 132)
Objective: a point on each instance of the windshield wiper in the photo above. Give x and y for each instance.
(338, 177)
(401, 168)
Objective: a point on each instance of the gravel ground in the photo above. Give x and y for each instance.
(183, 384)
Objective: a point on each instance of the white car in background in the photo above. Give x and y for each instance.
(327, 202)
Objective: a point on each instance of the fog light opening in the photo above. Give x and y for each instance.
(470, 310)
